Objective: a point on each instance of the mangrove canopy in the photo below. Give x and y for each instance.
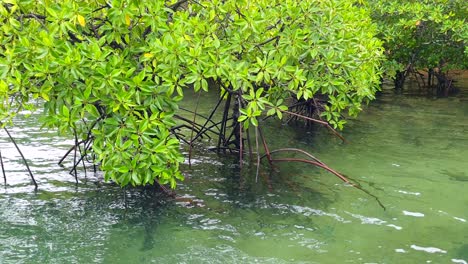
(112, 72)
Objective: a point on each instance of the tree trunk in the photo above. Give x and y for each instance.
(399, 80)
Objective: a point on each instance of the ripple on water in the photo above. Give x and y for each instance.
(373, 221)
(307, 211)
(418, 160)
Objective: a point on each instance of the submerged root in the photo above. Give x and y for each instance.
(316, 162)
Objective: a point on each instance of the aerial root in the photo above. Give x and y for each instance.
(22, 157)
(3, 168)
(316, 162)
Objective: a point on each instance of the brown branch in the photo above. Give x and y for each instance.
(265, 146)
(267, 41)
(239, 12)
(39, 18)
(101, 7)
(273, 26)
(32, 15)
(177, 4)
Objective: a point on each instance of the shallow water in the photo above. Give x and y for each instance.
(410, 151)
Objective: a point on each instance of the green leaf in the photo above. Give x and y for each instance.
(271, 112)
(65, 111)
(121, 70)
(254, 121)
(242, 118)
(279, 114)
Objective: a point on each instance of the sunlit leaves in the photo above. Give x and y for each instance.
(116, 70)
(88, 76)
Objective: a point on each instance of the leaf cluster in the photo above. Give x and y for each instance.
(114, 71)
(427, 34)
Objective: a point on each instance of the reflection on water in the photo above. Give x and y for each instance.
(409, 151)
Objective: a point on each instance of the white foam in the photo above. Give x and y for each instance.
(461, 261)
(459, 219)
(367, 220)
(415, 214)
(428, 249)
(412, 193)
(395, 226)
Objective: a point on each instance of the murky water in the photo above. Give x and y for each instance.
(410, 151)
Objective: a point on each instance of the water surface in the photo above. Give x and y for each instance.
(410, 151)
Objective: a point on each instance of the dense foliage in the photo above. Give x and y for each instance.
(422, 34)
(115, 70)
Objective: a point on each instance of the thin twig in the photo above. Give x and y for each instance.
(68, 152)
(101, 7)
(81, 159)
(198, 114)
(74, 155)
(267, 41)
(250, 145)
(265, 146)
(3, 168)
(22, 156)
(211, 115)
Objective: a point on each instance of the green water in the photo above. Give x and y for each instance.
(410, 151)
